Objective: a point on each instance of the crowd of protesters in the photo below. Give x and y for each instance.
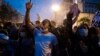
(44, 39)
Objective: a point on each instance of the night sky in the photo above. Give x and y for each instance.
(41, 7)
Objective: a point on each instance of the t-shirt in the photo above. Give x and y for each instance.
(44, 44)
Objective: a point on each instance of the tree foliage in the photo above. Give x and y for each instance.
(7, 12)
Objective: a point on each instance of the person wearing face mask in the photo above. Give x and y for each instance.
(83, 31)
(80, 35)
(44, 41)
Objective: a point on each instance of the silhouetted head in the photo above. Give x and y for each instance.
(46, 24)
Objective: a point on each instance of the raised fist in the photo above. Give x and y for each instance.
(28, 5)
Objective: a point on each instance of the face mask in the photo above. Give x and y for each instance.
(83, 32)
(22, 34)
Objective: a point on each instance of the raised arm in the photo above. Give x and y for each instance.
(27, 15)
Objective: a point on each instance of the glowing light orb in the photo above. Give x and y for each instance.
(55, 7)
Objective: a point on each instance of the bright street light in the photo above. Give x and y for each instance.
(55, 7)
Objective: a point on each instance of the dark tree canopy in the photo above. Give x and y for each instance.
(7, 12)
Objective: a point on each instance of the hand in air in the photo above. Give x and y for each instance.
(28, 5)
